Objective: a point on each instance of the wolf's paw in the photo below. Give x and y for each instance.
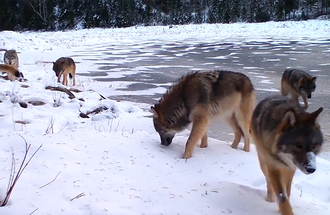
(186, 155)
(234, 145)
(203, 145)
(246, 148)
(270, 198)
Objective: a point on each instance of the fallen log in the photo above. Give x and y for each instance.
(61, 89)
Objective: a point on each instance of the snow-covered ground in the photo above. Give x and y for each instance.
(114, 159)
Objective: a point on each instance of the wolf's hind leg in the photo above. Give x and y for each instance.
(65, 79)
(197, 133)
(237, 130)
(73, 79)
(243, 118)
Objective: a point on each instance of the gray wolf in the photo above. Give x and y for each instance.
(11, 58)
(12, 72)
(286, 137)
(65, 66)
(201, 96)
(297, 83)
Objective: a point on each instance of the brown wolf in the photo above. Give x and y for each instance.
(201, 96)
(11, 58)
(65, 66)
(297, 83)
(12, 72)
(286, 137)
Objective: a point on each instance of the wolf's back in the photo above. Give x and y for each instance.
(220, 83)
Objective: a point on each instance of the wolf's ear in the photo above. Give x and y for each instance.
(154, 111)
(314, 79)
(53, 63)
(316, 113)
(301, 81)
(287, 121)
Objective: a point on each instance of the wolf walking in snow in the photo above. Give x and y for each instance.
(286, 138)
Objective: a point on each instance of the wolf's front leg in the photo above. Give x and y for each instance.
(204, 141)
(197, 133)
(305, 102)
(59, 78)
(280, 189)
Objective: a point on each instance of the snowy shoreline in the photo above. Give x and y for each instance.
(114, 158)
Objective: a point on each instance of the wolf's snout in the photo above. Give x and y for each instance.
(166, 141)
(310, 170)
(309, 96)
(310, 165)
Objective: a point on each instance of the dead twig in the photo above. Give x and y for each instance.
(14, 178)
(50, 127)
(94, 111)
(61, 89)
(38, 13)
(33, 211)
(78, 196)
(102, 97)
(50, 181)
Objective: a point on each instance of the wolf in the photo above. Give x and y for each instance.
(11, 58)
(297, 83)
(286, 138)
(65, 66)
(12, 72)
(199, 97)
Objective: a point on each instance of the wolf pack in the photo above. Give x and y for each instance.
(63, 67)
(285, 135)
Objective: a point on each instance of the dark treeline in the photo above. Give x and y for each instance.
(71, 14)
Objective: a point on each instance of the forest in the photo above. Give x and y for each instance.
(52, 15)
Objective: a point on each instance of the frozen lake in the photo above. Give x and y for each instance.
(149, 65)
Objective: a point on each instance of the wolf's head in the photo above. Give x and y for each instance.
(165, 132)
(58, 67)
(306, 85)
(11, 57)
(300, 139)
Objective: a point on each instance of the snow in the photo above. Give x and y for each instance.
(114, 159)
(311, 160)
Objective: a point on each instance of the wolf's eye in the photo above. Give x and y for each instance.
(298, 145)
(313, 146)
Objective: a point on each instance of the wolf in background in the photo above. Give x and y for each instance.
(297, 83)
(201, 96)
(286, 137)
(10, 57)
(65, 66)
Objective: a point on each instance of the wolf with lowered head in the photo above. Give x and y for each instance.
(201, 96)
